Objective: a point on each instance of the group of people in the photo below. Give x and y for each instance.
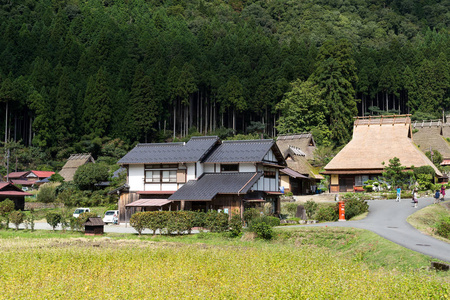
(439, 195)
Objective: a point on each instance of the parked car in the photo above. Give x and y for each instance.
(79, 211)
(111, 216)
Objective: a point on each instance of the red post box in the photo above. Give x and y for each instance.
(341, 211)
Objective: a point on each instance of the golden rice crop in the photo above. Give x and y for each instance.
(102, 269)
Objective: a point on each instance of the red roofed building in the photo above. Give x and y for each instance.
(12, 192)
(38, 175)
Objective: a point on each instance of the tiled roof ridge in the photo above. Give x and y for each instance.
(160, 144)
(206, 137)
(248, 141)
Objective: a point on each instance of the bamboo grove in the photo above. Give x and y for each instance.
(157, 70)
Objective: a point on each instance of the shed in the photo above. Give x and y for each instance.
(94, 226)
(12, 192)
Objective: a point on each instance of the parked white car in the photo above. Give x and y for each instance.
(111, 216)
(79, 211)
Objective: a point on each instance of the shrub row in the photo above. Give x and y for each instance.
(179, 222)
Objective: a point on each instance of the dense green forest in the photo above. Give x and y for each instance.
(79, 76)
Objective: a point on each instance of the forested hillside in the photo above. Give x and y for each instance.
(75, 71)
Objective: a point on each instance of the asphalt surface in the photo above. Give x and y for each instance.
(387, 218)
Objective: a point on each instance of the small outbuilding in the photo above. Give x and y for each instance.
(94, 226)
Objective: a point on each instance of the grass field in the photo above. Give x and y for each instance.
(301, 264)
(426, 218)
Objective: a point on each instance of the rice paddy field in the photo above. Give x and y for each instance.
(81, 268)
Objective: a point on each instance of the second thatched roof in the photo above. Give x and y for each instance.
(377, 140)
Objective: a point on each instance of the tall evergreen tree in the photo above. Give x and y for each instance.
(97, 105)
(335, 75)
(144, 106)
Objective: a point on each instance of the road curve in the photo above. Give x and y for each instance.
(387, 218)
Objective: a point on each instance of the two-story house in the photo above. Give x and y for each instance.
(202, 174)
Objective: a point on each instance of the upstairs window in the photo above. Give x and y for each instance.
(270, 173)
(160, 173)
(229, 168)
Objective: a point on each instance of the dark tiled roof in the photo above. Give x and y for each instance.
(240, 151)
(211, 184)
(192, 151)
(94, 221)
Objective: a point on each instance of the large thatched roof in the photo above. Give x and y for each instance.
(427, 135)
(72, 164)
(377, 140)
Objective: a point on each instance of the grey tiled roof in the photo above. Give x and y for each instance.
(211, 184)
(192, 151)
(240, 151)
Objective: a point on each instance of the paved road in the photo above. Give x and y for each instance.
(387, 218)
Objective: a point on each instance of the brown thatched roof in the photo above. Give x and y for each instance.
(428, 135)
(377, 140)
(303, 141)
(297, 149)
(72, 164)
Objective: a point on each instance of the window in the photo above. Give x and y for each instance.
(160, 173)
(360, 180)
(270, 173)
(229, 168)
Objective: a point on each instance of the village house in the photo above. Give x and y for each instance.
(203, 174)
(73, 163)
(13, 193)
(299, 177)
(28, 179)
(375, 141)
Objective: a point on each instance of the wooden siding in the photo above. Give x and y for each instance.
(124, 199)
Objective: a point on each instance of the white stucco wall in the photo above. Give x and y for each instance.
(190, 171)
(247, 167)
(208, 168)
(136, 177)
(200, 169)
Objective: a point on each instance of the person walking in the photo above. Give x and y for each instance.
(437, 195)
(399, 194)
(415, 198)
(442, 192)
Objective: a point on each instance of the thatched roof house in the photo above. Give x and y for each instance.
(375, 140)
(72, 164)
(297, 149)
(428, 135)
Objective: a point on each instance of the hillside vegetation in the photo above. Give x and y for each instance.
(74, 74)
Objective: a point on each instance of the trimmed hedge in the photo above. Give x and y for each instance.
(179, 222)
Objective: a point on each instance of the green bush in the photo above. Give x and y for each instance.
(442, 227)
(327, 213)
(166, 221)
(6, 207)
(355, 207)
(236, 225)
(47, 194)
(368, 188)
(310, 208)
(289, 208)
(250, 214)
(16, 217)
(88, 175)
(216, 222)
(137, 221)
(263, 230)
(53, 219)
